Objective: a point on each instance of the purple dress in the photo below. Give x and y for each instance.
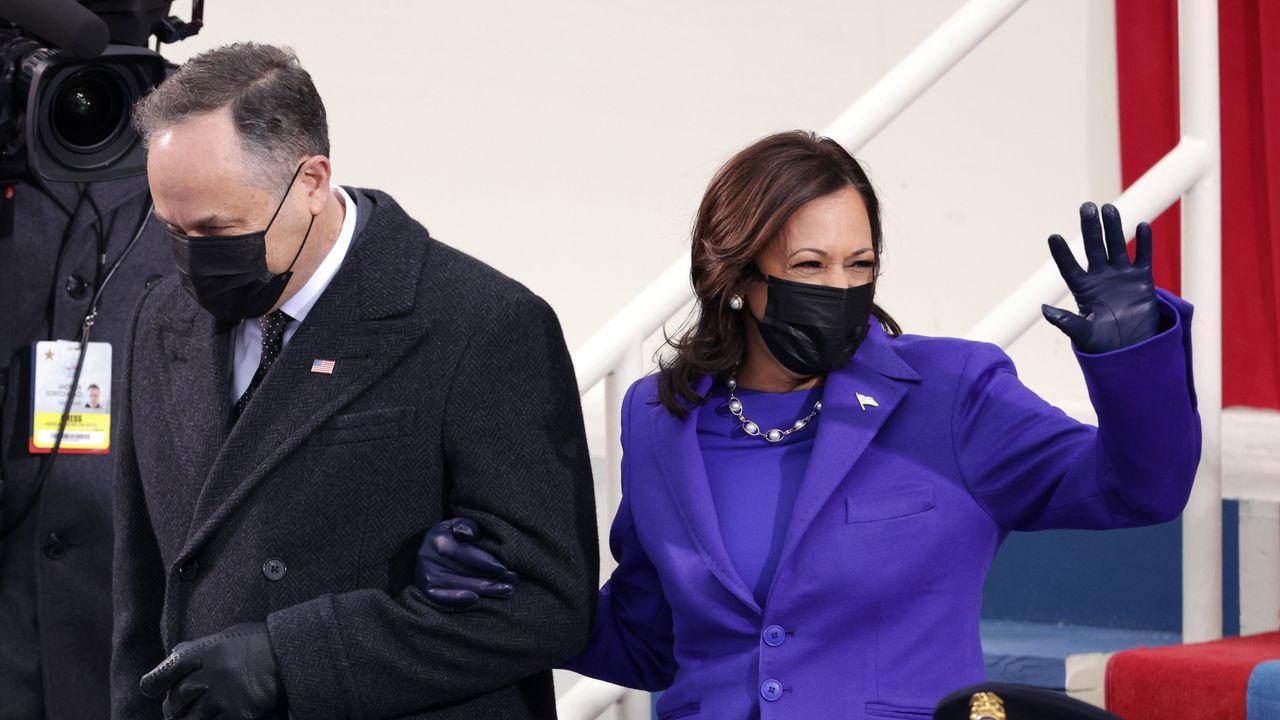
(754, 483)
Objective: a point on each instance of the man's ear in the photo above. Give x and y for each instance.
(317, 174)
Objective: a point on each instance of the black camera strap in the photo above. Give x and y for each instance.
(8, 299)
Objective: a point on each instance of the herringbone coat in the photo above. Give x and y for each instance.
(452, 394)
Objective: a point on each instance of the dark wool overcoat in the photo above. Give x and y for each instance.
(452, 393)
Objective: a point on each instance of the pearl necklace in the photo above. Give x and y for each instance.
(750, 428)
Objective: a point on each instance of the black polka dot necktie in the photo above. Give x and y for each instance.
(273, 326)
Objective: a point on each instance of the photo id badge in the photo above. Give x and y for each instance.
(89, 422)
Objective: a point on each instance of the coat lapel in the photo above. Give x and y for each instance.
(847, 426)
(686, 474)
(198, 404)
(364, 322)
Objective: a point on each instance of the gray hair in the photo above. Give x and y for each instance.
(274, 104)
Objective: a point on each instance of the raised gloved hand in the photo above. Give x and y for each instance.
(1117, 298)
(231, 674)
(454, 572)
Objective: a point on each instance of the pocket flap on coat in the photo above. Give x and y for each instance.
(365, 425)
(907, 500)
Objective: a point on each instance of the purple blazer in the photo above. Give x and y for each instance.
(873, 612)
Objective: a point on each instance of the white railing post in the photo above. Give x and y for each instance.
(1202, 285)
(598, 696)
(629, 367)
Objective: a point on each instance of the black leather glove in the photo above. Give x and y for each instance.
(1117, 298)
(231, 674)
(454, 572)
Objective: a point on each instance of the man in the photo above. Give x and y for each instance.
(325, 383)
(55, 516)
(95, 398)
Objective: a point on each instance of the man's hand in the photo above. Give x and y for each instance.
(231, 674)
(1117, 299)
(454, 572)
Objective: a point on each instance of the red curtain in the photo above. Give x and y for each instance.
(1249, 67)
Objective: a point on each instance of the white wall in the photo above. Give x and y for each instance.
(568, 142)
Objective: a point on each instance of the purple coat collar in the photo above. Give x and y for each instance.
(847, 425)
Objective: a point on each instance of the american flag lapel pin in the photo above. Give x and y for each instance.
(866, 401)
(322, 367)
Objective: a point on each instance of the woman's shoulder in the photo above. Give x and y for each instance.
(940, 349)
(644, 391)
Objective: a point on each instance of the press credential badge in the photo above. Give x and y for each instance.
(89, 422)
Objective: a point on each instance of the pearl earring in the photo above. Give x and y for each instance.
(735, 302)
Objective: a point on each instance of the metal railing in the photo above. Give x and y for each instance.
(1190, 172)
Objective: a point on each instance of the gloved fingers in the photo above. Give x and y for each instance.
(179, 699)
(454, 599)
(468, 559)
(452, 542)
(1117, 251)
(464, 528)
(1075, 327)
(181, 662)
(483, 588)
(1070, 270)
(1143, 251)
(1094, 249)
(446, 579)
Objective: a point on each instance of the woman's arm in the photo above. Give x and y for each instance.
(1032, 467)
(631, 637)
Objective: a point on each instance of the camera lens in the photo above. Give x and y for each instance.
(89, 109)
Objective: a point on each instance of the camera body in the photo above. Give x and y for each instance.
(63, 119)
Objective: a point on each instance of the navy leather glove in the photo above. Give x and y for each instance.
(1117, 298)
(231, 674)
(454, 572)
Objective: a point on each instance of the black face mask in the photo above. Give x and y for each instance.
(228, 275)
(814, 329)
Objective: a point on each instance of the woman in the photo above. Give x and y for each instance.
(811, 500)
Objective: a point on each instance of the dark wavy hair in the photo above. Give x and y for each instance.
(745, 207)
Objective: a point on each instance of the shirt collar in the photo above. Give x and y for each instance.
(301, 303)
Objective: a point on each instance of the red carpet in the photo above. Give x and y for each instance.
(1205, 680)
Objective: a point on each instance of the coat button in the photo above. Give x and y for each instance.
(76, 286)
(189, 570)
(774, 635)
(274, 569)
(54, 546)
(771, 690)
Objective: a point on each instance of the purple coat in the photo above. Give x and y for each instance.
(874, 608)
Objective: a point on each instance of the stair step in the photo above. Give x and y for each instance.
(1036, 653)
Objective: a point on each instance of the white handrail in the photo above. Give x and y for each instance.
(919, 70)
(637, 320)
(1157, 189)
(588, 699)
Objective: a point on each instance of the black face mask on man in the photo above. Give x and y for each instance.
(228, 275)
(814, 329)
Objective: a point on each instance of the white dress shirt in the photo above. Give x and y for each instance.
(246, 338)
